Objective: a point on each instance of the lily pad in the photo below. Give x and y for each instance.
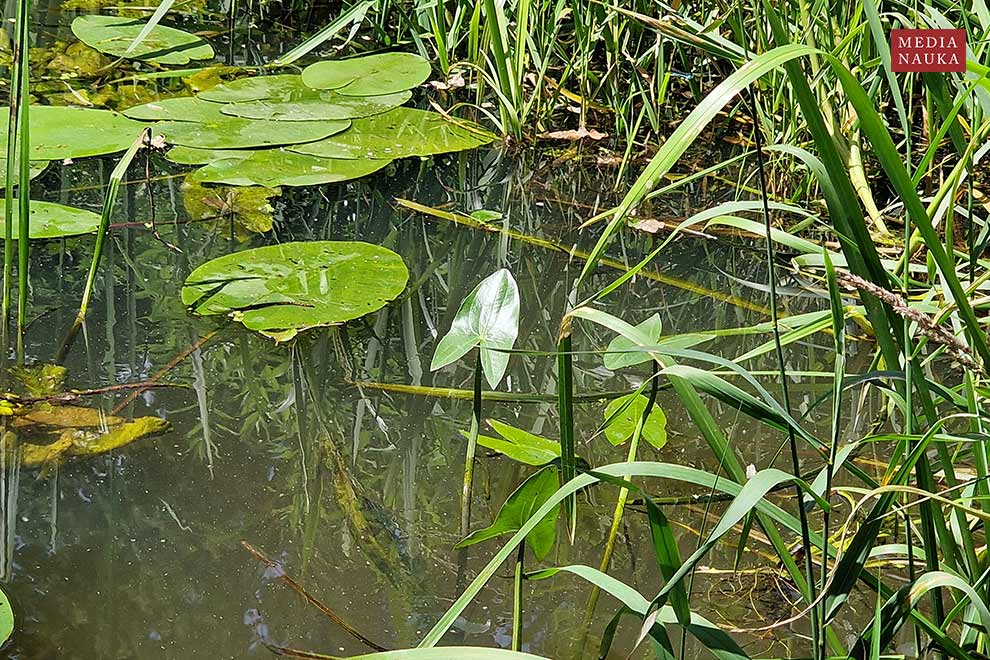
(193, 156)
(280, 290)
(254, 88)
(163, 45)
(272, 168)
(384, 73)
(234, 133)
(35, 168)
(50, 220)
(310, 105)
(184, 108)
(6, 618)
(399, 133)
(59, 132)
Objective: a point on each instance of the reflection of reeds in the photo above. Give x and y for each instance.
(10, 479)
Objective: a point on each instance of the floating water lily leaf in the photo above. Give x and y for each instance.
(280, 290)
(248, 208)
(50, 220)
(272, 168)
(621, 351)
(384, 73)
(234, 133)
(163, 45)
(59, 132)
(255, 88)
(35, 168)
(184, 108)
(313, 105)
(193, 156)
(399, 133)
(77, 442)
(6, 618)
(623, 425)
(519, 508)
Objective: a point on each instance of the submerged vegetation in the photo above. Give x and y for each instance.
(862, 192)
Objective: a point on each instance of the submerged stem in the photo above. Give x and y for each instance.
(471, 449)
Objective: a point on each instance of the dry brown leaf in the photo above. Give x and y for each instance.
(579, 134)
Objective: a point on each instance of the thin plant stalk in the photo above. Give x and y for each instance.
(18, 142)
(565, 410)
(620, 504)
(116, 177)
(471, 450)
(517, 598)
(779, 350)
(12, 170)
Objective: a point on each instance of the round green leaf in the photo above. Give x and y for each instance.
(185, 108)
(35, 167)
(282, 289)
(193, 156)
(163, 45)
(59, 132)
(234, 133)
(399, 133)
(6, 618)
(255, 88)
(384, 73)
(272, 168)
(50, 220)
(312, 105)
(623, 425)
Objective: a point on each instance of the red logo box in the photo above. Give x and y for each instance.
(928, 50)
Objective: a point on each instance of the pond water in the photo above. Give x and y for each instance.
(138, 554)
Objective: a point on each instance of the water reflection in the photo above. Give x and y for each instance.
(353, 488)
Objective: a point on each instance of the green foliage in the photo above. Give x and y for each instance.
(520, 445)
(370, 75)
(519, 507)
(489, 319)
(117, 36)
(58, 133)
(399, 133)
(235, 133)
(6, 618)
(621, 352)
(281, 290)
(622, 416)
(49, 220)
(272, 168)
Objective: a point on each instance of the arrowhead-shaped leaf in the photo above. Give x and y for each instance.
(489, 318)
(625, 413)
(615, 357)
(519, 507)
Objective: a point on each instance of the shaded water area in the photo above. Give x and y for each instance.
(138, 554)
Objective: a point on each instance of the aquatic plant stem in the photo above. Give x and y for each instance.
(620, 504)
(811, 590)
(565, 410)
(517, 598)
(471, 450)
(21, 145)
(108, 202)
